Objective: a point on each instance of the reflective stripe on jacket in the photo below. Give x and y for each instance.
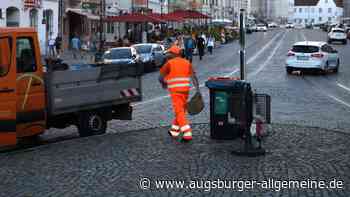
(177, 73)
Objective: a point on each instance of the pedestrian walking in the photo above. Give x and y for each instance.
(176, 75)
(210, 44)
(58, 45)
(52, 44)
(76, 45)
(200, 46)
(189, 47)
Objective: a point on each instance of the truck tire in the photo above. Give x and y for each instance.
(91, 123)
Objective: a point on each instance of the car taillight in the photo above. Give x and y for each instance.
(317, 55)
(290, 53)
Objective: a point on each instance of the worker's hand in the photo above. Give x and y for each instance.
(162, 82)
(164, 85)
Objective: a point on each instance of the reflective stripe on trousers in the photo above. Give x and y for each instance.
(179, 102)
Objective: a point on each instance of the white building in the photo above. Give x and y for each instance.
(317, 12)
(40, 14)
(277, 10)
(290, 10)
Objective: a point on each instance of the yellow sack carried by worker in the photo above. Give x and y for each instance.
(196, 104)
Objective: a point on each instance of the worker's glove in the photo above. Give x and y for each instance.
(164, 85)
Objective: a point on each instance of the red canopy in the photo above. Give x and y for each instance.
(167, 17)
(134, 18)
(189, 14)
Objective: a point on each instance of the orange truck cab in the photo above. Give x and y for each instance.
(29, 106)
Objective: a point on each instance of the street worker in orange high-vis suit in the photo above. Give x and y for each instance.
(176, 75)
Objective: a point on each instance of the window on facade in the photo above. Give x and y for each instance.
(313, 20)
(33, 15)
(48, 16)
(319, 18)
(12, 17)
(329, 10)
(110, 28)
(305, 20)
(329, 18)
(295, 10)
(326, 1)
(320, 10)
(25, 55)
(300, 10)
(5, 55)
(312, 10)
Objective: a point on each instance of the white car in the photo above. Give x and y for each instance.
(272, 25)
(337, 34)
(261, 27)
(289, 26)
(310, 55)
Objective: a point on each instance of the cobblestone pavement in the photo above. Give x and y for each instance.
(113, 164)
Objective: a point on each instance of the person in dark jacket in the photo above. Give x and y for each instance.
(200, 46)
(58, 45)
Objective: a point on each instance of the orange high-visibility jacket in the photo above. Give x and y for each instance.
(177, 72)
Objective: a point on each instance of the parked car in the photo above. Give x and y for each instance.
(121, 55)
(151, 55)
(272, 25)
(337, 34)
(318, 56)
(289, 26)
(249, 29)
(261, 27)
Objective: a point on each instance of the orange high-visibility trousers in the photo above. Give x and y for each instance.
(179, 102)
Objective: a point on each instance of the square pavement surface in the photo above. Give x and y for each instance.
(125, 164)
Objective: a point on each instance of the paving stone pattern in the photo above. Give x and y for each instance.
(113, 164)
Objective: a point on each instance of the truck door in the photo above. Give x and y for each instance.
(30, 87)
(7, 92)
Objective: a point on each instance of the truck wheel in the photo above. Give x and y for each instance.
(91, 123)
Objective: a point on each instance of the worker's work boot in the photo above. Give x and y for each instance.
(187, 136)
(187, 133)
(174, 131)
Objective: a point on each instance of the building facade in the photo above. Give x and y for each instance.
(317, 12)
(346, 8)
(39, 14)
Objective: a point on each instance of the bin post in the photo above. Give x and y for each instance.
(242, 43)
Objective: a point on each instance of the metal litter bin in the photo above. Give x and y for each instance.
(231, 107)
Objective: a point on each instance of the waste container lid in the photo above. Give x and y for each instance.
(227, 84)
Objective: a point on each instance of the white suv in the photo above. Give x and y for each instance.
(337, 34)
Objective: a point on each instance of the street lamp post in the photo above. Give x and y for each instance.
(242, 43)
(102, 15)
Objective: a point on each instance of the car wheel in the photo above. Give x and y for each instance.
(345, 42)
(289, 70)
(91, 123)
(329, 41)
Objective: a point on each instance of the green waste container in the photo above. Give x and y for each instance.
(231, 103)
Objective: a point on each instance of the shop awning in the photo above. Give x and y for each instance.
(135, 18)
(167, 17)
(189, 14)
(83, 13)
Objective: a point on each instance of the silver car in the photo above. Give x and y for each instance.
(151, 55)
(312, 55)
(121, 55)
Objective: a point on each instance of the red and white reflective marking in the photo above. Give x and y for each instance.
(130, 92)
